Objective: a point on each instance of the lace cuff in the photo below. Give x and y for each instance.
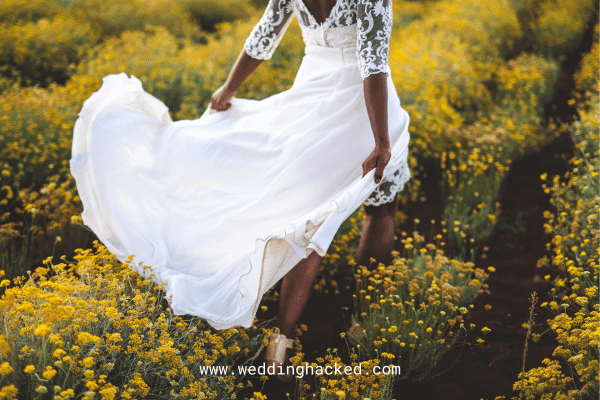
(267, 34)
(391, 184)
(374, 27)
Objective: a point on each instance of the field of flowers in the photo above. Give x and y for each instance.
(575, 255)
(475, 77)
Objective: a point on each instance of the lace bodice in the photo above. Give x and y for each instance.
(366, 24)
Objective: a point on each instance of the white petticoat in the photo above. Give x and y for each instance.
(222, 207)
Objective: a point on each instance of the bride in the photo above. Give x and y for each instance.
(223, 207)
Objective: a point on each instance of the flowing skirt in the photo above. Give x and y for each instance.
(222, 207)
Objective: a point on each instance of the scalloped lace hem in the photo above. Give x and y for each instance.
(389, 186)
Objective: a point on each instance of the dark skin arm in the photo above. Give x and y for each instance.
(242, 68)
(375, 88)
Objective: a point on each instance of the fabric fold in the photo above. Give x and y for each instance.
(222, 207)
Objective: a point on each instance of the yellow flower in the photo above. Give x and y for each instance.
(85, 337)
(5, 368)
(9, 392)
(42, 330)
(111, 312)
(49, 373)
(28, 369)
(58, 353)
(41, 389)
(88, 362)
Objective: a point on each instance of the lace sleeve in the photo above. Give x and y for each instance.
(374, 27)
(267, 34)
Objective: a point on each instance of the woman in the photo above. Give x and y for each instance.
(224, 206)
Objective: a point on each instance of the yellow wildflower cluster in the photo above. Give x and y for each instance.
(413, 309)
(473, 179)
(112, 18)
(342, 249)
(555, 27)
(440, 64)
(209, 13)
(94, 327)
(576, 256)
(12, 11)
(42, 52)
(356, 382)
(586, 79)
(458, 48)
(525, 86)
(484, 150)
(39, 40)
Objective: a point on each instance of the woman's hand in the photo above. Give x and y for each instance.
(220, 100)
(243, 67)
(378, 159)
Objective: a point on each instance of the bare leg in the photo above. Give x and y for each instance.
(296, 287)
(377, 237)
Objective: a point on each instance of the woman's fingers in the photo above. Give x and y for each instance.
(382, 161)
(368, 165)
(377, 160)
(220, 102)
(217, 106)
(380, 165)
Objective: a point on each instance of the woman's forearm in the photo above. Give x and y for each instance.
(375, 87)
(242, 68)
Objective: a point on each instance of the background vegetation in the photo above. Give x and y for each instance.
(475, 77)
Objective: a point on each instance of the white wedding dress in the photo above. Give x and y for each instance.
(222, 207)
